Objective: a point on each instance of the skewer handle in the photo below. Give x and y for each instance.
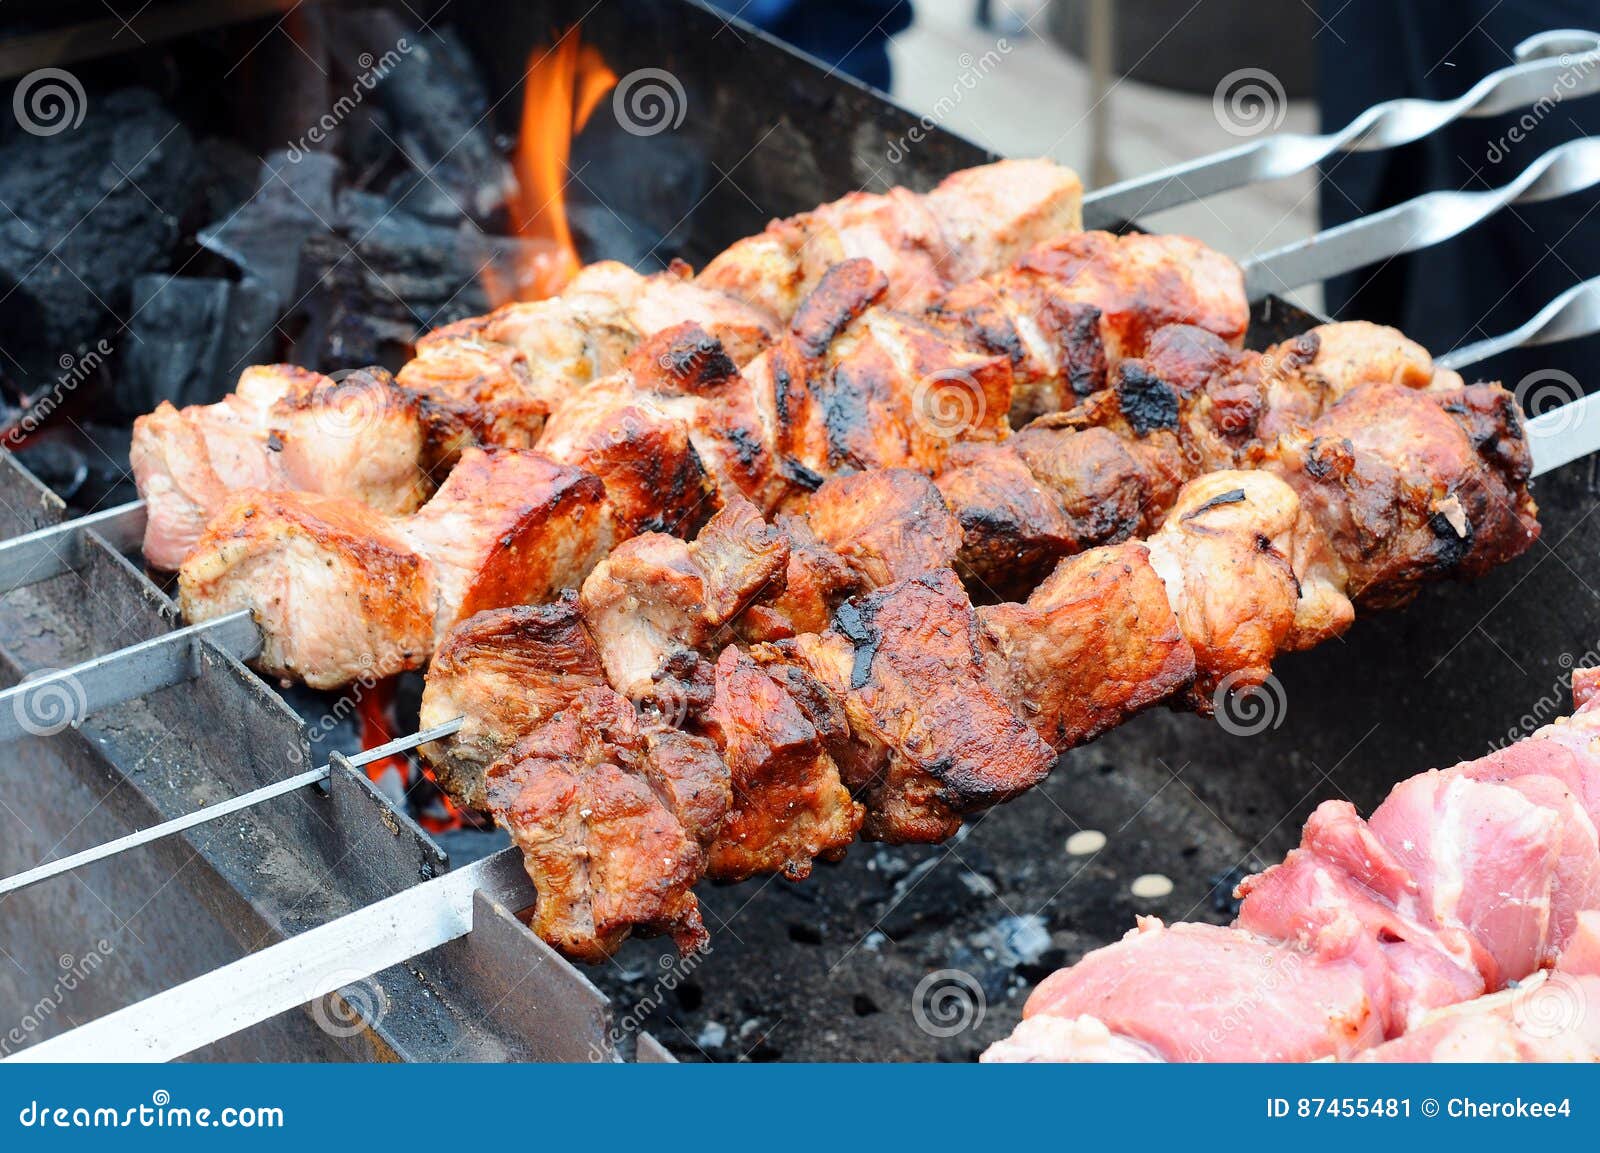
(1551, 65)
(46, 703)
(38, 556)
(1420, 222)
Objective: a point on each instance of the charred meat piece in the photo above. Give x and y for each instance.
(789, 807)
(1093, 645)
(673, 435)
(505, 671)
(1013, 529)
(816, 580)
(1409, 485)
(589, 798)
(509, 528)
(476, 392)
(1073, 308)
(657, 602)
(343, 593)
(939, 740)
(887, 524)
(654, 478)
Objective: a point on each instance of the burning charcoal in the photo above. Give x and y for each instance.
(190, 338)
(294, 200)
(645, 218)
(386, 276)
(439, 112)
(91, 208)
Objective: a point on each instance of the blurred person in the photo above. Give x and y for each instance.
(851, 36)
(1500, 272)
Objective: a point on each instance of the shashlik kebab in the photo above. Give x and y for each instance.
(276, 552)
(494, 379)
(1473, 880)
(630, 749)
(675, 434)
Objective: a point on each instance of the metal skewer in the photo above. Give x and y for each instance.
(219, 810)
(38, 556)
(1548, 62)
(1575, 313)
(292, 972)
(49, 702)
(1420, 222)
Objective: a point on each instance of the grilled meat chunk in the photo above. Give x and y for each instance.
(505, 671)
(816, 580)
(281, 429)
(1071, 309)
(887, 524)
(1411, 485)
(589, 798)
(344, 593)
(789, 807)
(509, 528)
(1094, 644)
(1246, 577)
(657, 602)
(337, 590)
(476, 391)
(938, 740)
(645, 455)
(973, 223)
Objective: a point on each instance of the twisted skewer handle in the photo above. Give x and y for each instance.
(1420, 222)
(1552, 66)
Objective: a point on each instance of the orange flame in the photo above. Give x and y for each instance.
(560, 89)
(375, 718)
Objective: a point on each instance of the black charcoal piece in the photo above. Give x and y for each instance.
(89, 208)
(294, 199)
(190, 338)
